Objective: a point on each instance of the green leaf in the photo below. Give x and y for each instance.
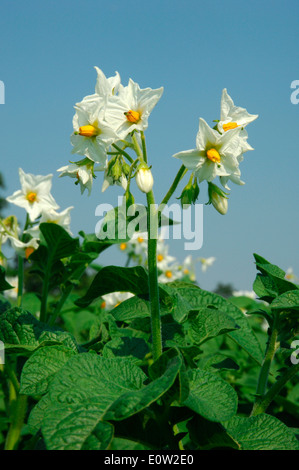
(90, 389)
(262, 432)
(133, 348)
(59, 242)
(37, 414)
(134, 401)
(88, 378)
(41, 367)
(180, 307)
(115, 279)
(132, 308)
(4, 285)
(244, 336)
(206, 435)
(91, 244)
(80, 393)
(208, 323)
(286, 301)
(126, 444)
(76, 427)
(271, 282)
(22, 333)
(100, 438)
(4, 304)
(210, 396)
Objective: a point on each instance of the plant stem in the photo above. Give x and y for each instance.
(264, 373)
(20, 280)
(60, 304)
(274, 390)
(19, 412)
(17, 407)
(137, 148)
(153, 276)
(122, 152)
(182, 171)
(152, 230)
(21, 268)
(143, 146)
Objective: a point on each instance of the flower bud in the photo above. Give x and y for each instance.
(116, 170)
(130, 201)
(190, 193)
(144, 180)
(220, 203)
(218, 198)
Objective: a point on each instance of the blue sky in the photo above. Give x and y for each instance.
(194, 49)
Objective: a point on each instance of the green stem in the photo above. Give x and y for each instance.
(137, 148)
(21, 267)
(182, 171)
(60, 304)
(274, 390)
(20, 280)
(143, 146)
(152, 230)
(265, 370)
(18, 416)
(122, 152)
(153, 277)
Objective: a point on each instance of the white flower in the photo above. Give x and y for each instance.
(130, 110)
(92, 136)
(206, 262)
(112, 300)
(35, 194)
(171, 273)
(215, 154)
(84, 174)
(12, 293)
(144, 180)
(24, 249)
(163, 258)
(188, 268)
(52, 217)
(138, 243)
(290, 276)
(107, 86)
(232, 116)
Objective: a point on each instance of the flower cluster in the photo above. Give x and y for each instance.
(36, 198)
(106, 123)
(219, 151)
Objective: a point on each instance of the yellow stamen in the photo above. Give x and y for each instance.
(168, 274)
(213, 155)
(132, 116)
(31, 197)
(229, 125)
(116, 305)
(123, 246)
(28, 251)
(186, 271)
(140, 239)
(160, 258)
(88, 131)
